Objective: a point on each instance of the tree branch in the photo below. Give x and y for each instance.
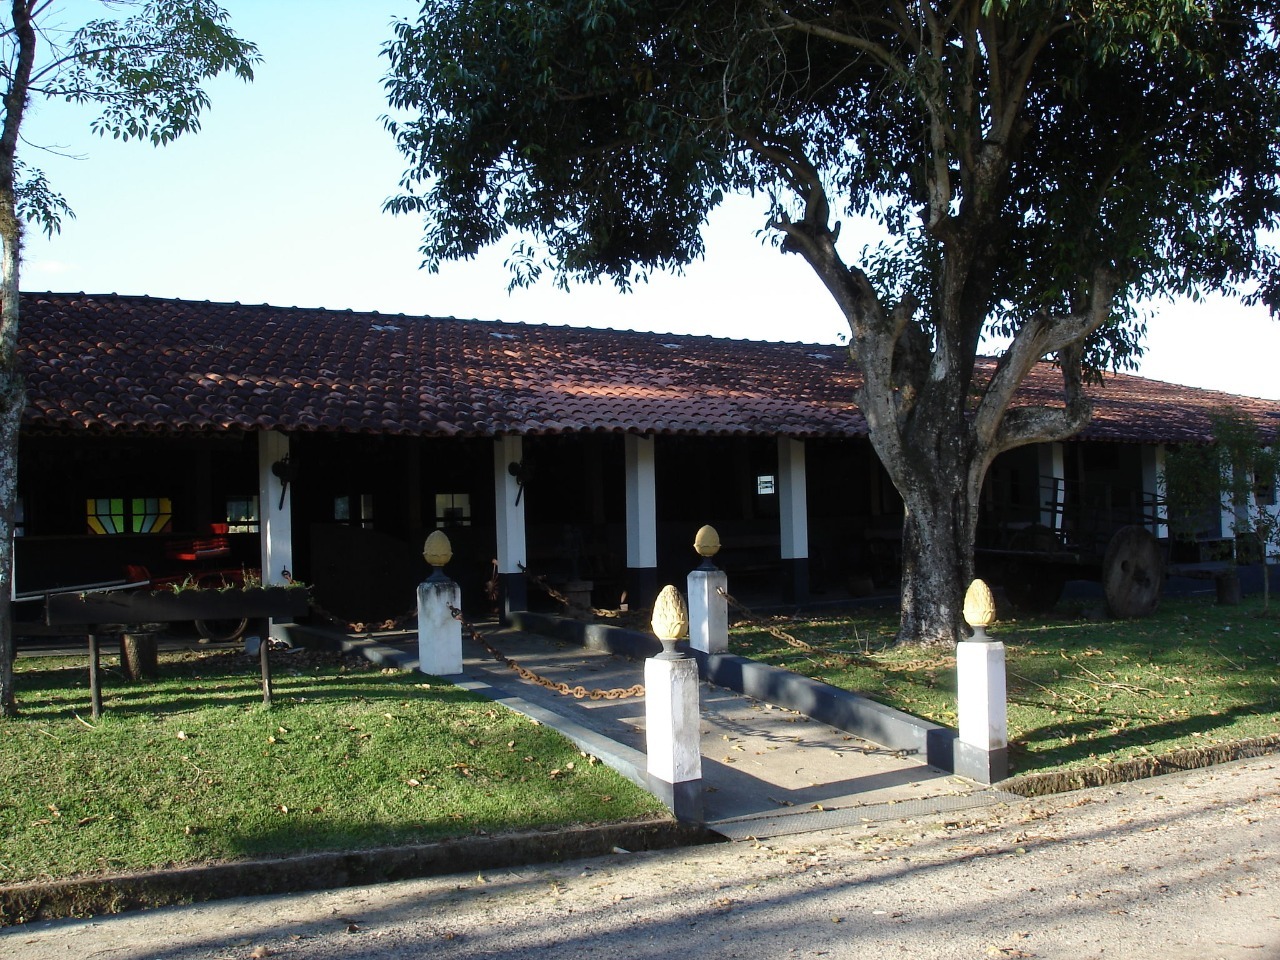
(877, 51)
(1035, 340)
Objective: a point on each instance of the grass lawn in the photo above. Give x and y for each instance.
(193, 768)
(1081, 691)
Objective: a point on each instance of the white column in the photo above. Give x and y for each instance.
(642, 503)
(1051, 485)
(439, 632)
(793, 499)
(672, 734)
(275, 520)
(708, 610)
(1227, 518)
(982, 749)
(510, 515)
(1152, 485)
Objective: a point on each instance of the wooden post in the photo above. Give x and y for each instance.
(95, 681)
(264, 650)
(138, 655)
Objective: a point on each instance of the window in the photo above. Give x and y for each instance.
(110, 515)
(242, 515)
(1264, 485)
(453, 509)
(356, 510)
(19, 519)
(766, 484)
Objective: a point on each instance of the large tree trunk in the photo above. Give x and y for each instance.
(12, 392)
(937, 567)
(939, 488)
(11, 397)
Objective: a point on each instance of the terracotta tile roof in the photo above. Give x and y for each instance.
(108, 363)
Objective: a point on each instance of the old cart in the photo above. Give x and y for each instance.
(116, 612)
(1082, 531)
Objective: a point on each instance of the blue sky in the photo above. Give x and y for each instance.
(278, 200)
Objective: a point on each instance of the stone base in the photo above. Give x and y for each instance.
(795, 580)
(983, 766)
(513, 595)
(683, 799)
(578, 593)
(642, 587)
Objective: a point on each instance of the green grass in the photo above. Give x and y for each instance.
(192, 768)
(1081, 691)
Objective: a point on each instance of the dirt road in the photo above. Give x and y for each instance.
(1179, 868)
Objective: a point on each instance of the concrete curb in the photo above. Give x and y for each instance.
(116, 893)
(1138, 768)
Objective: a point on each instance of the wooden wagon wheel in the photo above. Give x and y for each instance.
(222, 631)
(1133, 572)
(1032, 585)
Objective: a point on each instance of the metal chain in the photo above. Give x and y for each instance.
(390, 624)
(579, 691)
(559, 597)
(785, 637)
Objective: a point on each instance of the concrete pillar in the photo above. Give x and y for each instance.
(508, 459)
(1227, 518)
(642, 521)
(1152, 486)
(708, 609)
(982, 750)
(793, 516)
(275, 516)
(672, 713)
(1052, 485)
(672, 735)
(275, 524)
(439, 632)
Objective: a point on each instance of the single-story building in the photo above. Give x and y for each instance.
(328, 443)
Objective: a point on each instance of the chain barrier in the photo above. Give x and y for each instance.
(391, 624)
(558, 597)
(779, 634)
(579, 692)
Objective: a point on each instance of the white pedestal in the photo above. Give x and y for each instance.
(708, 610)
(672, 721)
(439, 632)
(982, 751)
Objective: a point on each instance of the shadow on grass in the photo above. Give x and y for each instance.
(1089, 744)
(61, 690)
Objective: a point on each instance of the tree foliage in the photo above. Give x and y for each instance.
(145, 73)
(1041, 169)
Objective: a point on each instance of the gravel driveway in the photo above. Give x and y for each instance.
(1178, 868)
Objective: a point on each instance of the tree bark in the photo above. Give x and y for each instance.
(138, 655)
(12, 392)
(937, 567)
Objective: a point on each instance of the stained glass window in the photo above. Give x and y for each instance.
(108, 515)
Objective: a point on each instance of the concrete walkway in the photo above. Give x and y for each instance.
(767, 771)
